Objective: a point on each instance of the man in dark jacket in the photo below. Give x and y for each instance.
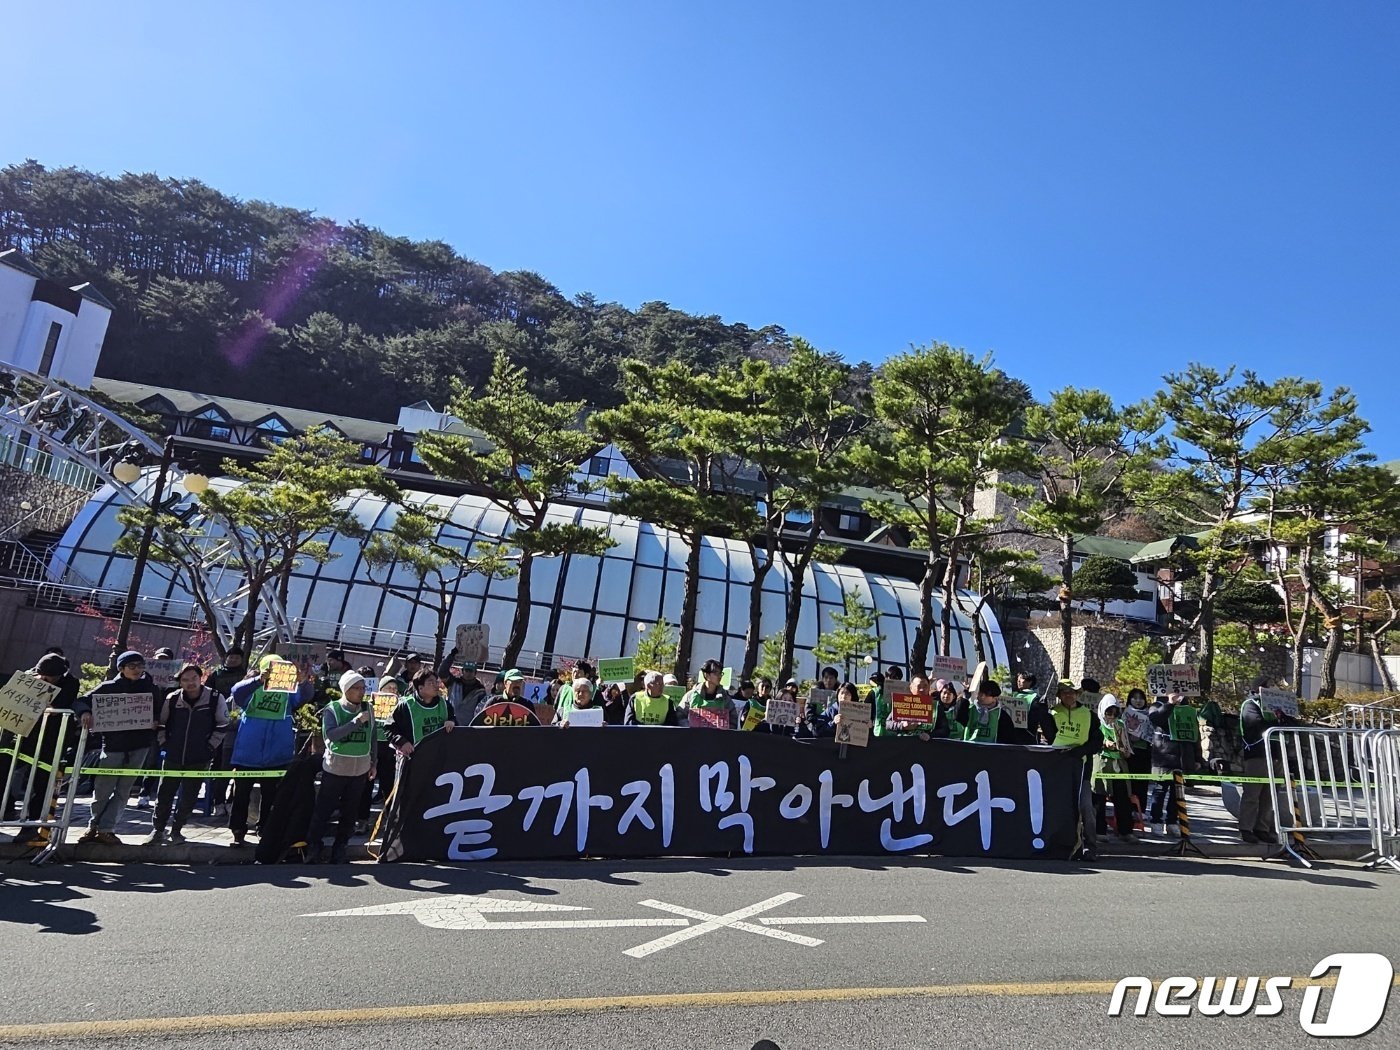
(1257, 800)
(1169, 753)
(192, 721)
(122, 749)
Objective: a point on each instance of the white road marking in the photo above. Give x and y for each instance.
(708, 923)
(466, 912)
(821, 920)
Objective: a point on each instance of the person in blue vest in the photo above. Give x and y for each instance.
(420, 714)
(265, 743)
(651, 706)
(347, 766)
(984, 722)
(1069, 724)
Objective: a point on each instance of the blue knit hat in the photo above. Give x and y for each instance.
(131, 656)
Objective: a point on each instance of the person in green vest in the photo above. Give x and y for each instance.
(938, 727)
(1069, 724)
(709, 693)
(1117, 748)
(347, 766)
(580, 695)
(420, 714)
(879, 704)
(946, 695)
(651, 706)
(983, 721)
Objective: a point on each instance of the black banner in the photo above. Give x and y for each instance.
(514, 794)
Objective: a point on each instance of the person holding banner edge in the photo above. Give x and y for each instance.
(347, 766)
(1069, 724)
(421, 713)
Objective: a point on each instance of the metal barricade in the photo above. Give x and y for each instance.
(1324, 776)
(33, 767)
(1382, 714)
(1381, 751)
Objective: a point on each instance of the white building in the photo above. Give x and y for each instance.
(47, 328)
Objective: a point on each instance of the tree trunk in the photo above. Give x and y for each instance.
(1382, 668)
(444, 616)
(978, 642)
(1298, 647)
(1327, 689)
(1066, 609)
(1205, 619)
(690, 597)
(753, 638)
(918, 655)
(520, 623)
(798, 573)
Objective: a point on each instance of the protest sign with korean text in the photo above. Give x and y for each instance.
(283, 677)
(1163, 679)
(906, 707)
(619, 669)
(585, 716)
(473, 642)
(855, 723)
(709, 717)
(954, 668)
(528, 796)
(22, 702)
(1280, 700)
(781, 711)
(119, 712)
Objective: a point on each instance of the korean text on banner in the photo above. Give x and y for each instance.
(1173, 678)
(781, 712)
(621, 669)
(1280, 700)
(119, 712)
(269, 705)
(906, 707)
(709, 717)
(855, 723)
(22, 702)
(822, 699)
(585, 716)
(296, 651)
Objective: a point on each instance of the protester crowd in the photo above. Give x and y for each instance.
(320, 755)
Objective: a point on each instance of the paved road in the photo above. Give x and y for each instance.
(720, 962)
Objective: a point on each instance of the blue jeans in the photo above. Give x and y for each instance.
(110, 794)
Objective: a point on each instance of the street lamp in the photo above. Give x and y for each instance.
(128, 472)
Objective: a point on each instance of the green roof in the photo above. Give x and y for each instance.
(1123, 550)
(1158, 550)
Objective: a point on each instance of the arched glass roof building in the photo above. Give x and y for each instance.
(581, 606)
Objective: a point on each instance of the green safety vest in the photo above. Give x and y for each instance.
(267, 705)
(356, 744)
(697, 698)
(426, 720)
(650, 710)
(1185, 724)
(1071, 726)
(1111, 748)
(974, 731)
(881, 707)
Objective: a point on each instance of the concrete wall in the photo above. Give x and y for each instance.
(25, 632)
(1096, 650)
(52, 503)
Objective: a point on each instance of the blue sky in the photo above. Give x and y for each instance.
(1097, 193)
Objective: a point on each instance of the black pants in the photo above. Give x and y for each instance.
(1122, 809)
(242, 791)
(336, 792)
(1140, 763)
(216, 791)
(188, 790)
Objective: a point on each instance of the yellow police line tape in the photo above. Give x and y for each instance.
(1225, 779)
(190, 774)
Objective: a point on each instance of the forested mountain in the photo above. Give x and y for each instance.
(276, 304)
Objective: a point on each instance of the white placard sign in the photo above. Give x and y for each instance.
(781, 712)
(855, 723)
(22, 702)
(119, 712)
(954, 668)
(1173, 678)
(585, 716)
(1279, 700)
(473, 643)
